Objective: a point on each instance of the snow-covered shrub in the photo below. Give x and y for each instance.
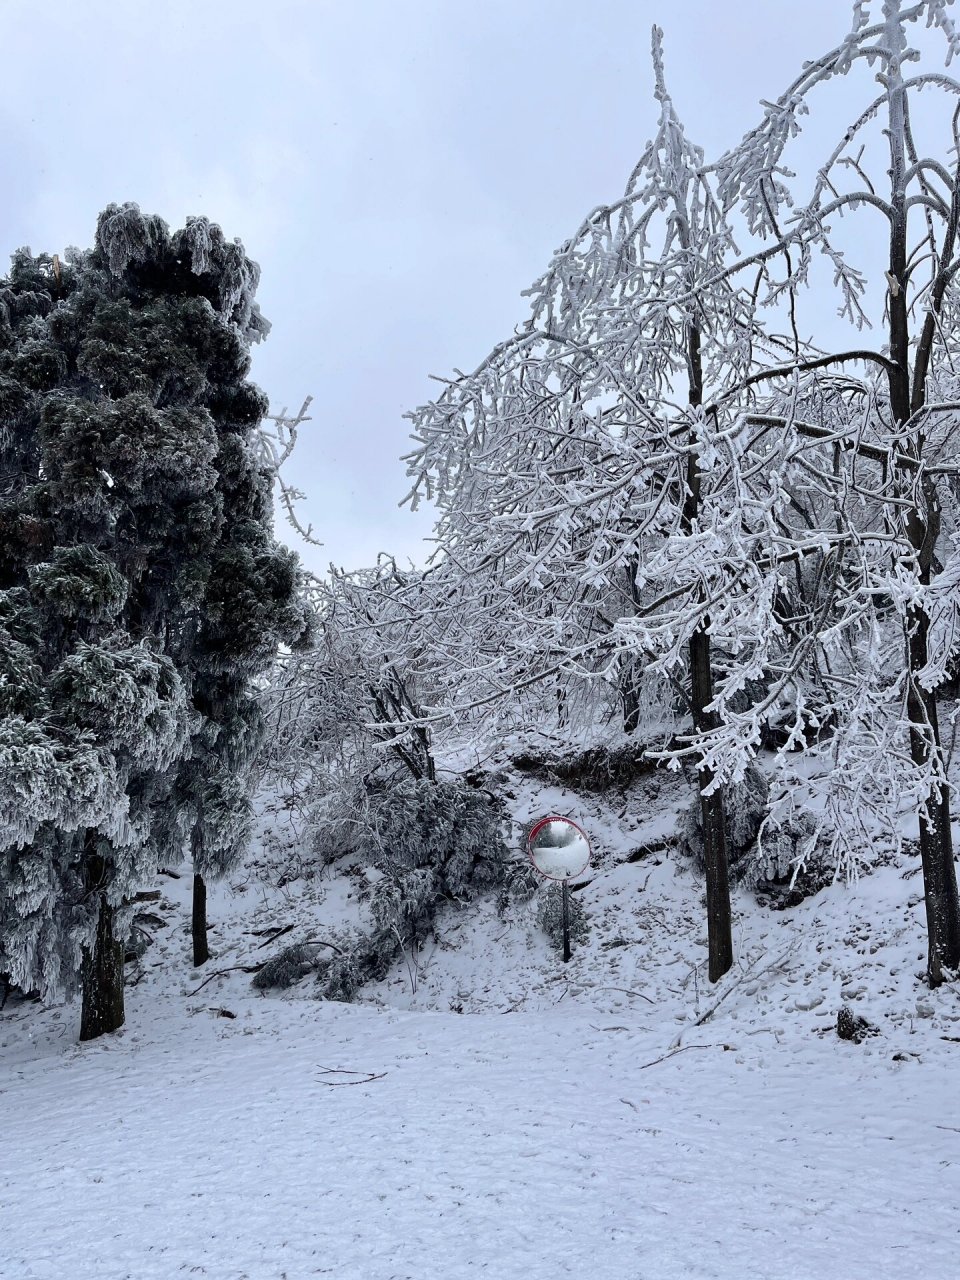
(550, 916)
(360, 957)
(342, 976)
(286, 968)
(520, 882)
(423, 843)
(783, 847)
(402, 825)
(341, 964)
(405, 902)
(785, 861)
(412, 844)
(791, 861)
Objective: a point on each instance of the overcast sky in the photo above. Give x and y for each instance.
(401, 169)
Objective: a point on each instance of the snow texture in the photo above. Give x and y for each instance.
(492, 1111)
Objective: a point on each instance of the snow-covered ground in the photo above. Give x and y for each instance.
(489, 1111)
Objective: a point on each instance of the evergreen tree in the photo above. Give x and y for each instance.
(126, 411)
(251, 604)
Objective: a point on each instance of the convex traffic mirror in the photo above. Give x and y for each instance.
(560, 851)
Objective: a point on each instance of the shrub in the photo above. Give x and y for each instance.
(286, 968)
(424, 843)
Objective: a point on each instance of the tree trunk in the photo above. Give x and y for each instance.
(102, 968)
(630, 695)
(922, 526)
(936, 838)
(561, 706)
(719, 930)
(201, 952)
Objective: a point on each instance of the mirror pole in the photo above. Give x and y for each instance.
(566, 920)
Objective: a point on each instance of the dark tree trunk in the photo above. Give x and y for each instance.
(561, 707)
(922, 529)
(102, 968)
(719, 930)
(201, 951)
(630, 695)
(936, 839)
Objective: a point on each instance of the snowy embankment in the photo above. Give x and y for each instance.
(570, 1121)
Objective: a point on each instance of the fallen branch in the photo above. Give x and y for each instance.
(644, 850)
(747, 976)
(273, 936)
(365, 1077)
(243, 968)
(683, 1049)
(627, 992)
(704, 1017)
(322, 942)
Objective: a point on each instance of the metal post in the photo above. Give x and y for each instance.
(566, 920)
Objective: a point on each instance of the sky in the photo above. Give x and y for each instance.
(401, 170)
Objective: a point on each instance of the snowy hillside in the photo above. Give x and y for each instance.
(692, 598)
(486, 1110)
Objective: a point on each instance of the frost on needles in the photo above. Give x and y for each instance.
(141, 587)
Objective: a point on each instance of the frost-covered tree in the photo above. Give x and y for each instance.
(594, 472)
(780, 527)
(252, 604)
(104, 703)
(126, 440)
(882, 213)
(351, 746)
(361, 696)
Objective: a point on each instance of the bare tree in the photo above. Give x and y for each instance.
(906, 402)
(649, 477)
(607, 437)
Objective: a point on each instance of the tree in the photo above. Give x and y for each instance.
(901, 413)
(360, 695)
(780, 526)
(125, 373)
(612, 523)
(251, 605)
(108, 706)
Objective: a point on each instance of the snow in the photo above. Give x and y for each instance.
(573, 1120)
(521, 1145)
